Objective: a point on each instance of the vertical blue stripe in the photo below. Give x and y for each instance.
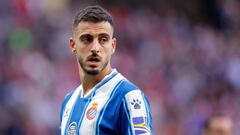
(84, 110)
(65, 101)
(93, 94)
(104, 108)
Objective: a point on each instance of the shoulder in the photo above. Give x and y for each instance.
(67, 97)
(126, 86)
(129, 92)
(132, 96)
(134, 110)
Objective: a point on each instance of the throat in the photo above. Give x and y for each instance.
(88, 85)
(90, 81)
(86, 92)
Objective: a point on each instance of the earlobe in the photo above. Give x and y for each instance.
(72, 45)
(114, 43)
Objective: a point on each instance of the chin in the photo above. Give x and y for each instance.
(92, 71)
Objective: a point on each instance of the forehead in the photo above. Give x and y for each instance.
(93, 28)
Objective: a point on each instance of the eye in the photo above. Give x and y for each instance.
(86, 39)
(103, 40)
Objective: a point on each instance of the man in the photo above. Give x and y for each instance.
(218, 125)
(105, 103)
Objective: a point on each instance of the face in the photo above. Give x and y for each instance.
(220, 126)
(93, 44)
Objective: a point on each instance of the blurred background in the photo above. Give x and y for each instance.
(184, 54)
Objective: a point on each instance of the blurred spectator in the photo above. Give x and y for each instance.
(184, 55)
(218, 125)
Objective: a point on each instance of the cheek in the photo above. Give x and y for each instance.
(81, 51)
(108, 54)
(80, 54)
(109, 50)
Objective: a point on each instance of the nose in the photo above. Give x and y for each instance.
(95, 48)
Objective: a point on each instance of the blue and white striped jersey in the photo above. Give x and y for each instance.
(114, 106)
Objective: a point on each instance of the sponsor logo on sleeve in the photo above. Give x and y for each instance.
(140, 126)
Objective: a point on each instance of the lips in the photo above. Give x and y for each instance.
(93, 61)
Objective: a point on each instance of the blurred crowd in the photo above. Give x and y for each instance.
(185, 56)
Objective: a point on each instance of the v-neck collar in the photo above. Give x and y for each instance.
(92, 91)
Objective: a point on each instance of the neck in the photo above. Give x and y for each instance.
(89, 81)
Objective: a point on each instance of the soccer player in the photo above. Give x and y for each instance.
(218, 125)
(105, 103)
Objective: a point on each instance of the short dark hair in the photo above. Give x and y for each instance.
(93, 14)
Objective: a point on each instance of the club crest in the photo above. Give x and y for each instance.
(92, 111)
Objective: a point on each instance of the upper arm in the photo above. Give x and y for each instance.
(136, 115)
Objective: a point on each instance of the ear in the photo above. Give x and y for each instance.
(72, 45)
(114, 44)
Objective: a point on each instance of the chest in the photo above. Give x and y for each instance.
(86, 115)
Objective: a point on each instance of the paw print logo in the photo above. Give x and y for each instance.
(136, 104)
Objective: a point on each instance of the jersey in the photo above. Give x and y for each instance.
(115, 106)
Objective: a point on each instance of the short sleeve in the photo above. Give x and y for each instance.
(136, 118)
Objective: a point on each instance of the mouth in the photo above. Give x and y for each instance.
(93, 61)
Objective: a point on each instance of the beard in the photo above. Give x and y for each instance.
(90, 70)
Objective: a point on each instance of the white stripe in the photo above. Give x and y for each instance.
(135, 95)
(101, 97)
(68, 109)
(130, 131)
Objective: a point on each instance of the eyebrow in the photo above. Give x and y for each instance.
(90, 35)
(104, 35)
(81, 37)
(85, 35)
